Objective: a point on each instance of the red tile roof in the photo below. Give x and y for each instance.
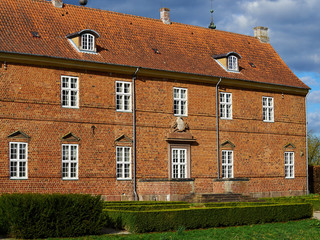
(130, 40)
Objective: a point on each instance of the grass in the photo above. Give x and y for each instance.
(304, 229)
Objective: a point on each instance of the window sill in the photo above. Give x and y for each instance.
(223, 118)
(70, 107)
(70, 179)
(18, 178)
(125, 111)
(124, 179)
(289, 177)
(269, 121)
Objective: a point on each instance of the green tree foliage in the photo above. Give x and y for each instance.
(313, 149)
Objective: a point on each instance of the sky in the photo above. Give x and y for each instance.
(294, 30)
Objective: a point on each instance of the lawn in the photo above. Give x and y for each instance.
(304, 229)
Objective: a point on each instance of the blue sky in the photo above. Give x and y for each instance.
(293, 29)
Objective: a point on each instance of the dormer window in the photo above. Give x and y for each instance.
(87, 42)
(233, 63)
(229, 61)
(84, 41)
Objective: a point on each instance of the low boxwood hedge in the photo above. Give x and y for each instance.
(51, 215)
(109, 203)
(164, 220)
(146, 207)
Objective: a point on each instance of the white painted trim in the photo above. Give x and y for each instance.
(18, 160)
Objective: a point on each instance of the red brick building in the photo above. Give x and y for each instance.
(98, 102)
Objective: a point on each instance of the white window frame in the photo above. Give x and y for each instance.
(19, 160)
(123, 96)
(68, 91)
(233, 63)
(177, 163)
(225, 105)
(87, 42)
(226, 165)
(123, 163)
(179, 102)
(289, 164)
(66, 171)
(268, 109)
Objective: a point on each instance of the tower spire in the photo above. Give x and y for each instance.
(212, 26)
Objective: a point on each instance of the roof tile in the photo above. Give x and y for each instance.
(129, 40)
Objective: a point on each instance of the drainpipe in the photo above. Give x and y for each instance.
(134, 133)
(218, 117)
(307, 151)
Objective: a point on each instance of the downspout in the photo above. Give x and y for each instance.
(134, 133)
(218, 117)
(307, 151)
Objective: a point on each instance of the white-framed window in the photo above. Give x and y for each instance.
(18, 158)
(267, 109)
(179, 162)
(227, 164)
(123, 96)
(289, 164)
(87, 42)
(225, 105)
(69, 92)
(123, 158)
(180, 102)
(233, 63)
(70, 161)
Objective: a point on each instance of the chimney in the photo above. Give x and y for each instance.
(57, 3)
(262, 34)
(164, 15)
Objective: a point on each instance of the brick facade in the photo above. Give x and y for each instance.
(31, 102)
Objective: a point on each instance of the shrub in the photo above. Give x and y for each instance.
(164, 220)
(3, 219)
(146, 207)
(112, 203)
(56, 215)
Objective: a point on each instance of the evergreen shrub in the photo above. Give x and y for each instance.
(165, 220)
(146, 207)
(52, 215)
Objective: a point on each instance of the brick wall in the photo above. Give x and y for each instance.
(30, 101)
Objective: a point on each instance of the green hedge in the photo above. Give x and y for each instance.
(111, 203)
(51, 215)
(164, 220)
(146, 207)
(314, 199)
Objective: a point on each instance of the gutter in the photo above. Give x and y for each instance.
(134, 134)
(218, 117)
(307, 151)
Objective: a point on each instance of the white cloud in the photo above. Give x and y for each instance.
(314, 122)
(309, 80)
(314, 97)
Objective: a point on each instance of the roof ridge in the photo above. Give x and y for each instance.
(148, 18)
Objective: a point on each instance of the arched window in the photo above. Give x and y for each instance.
(87, 42)
(232, 63)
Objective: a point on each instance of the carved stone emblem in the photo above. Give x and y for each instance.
(179, 125)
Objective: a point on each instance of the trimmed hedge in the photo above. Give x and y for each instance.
(118, 203)
(314, 199)
(51, 215)
(146, 207)
(164, 220)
